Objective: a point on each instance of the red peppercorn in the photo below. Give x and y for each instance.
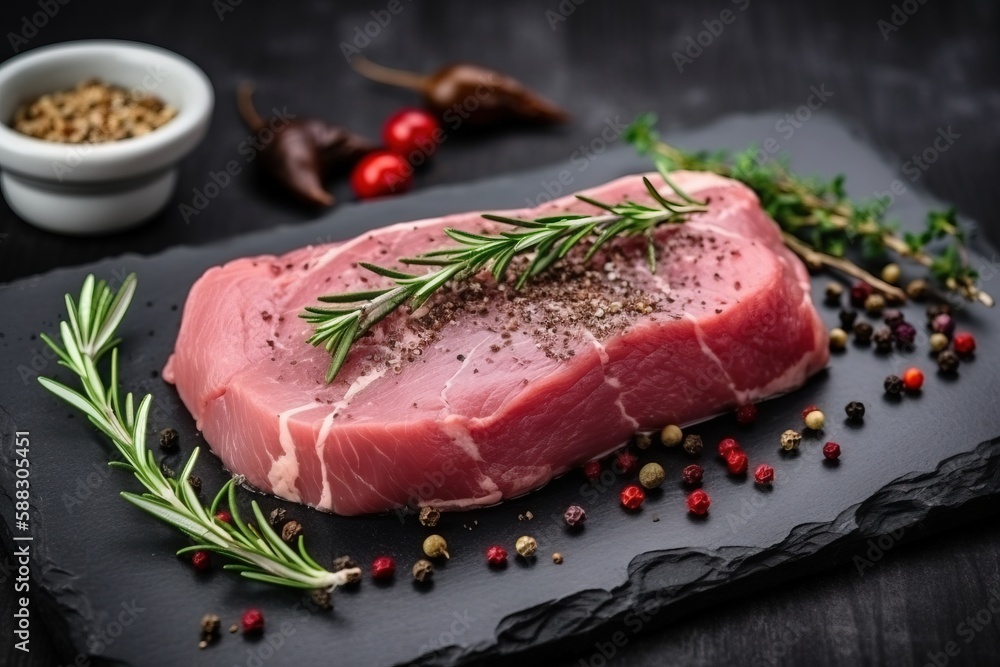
(496, 556)
(698, 502)
(632, 497)
(627, 463)
(806, 410)
(692, 474)
(965, 343)
(201, 560)
(592, 470)
(224, 516)
(383, 567)
(411, 130)
(737, 462)
(764, 474)
(727, 445)
(746, 414)
(860, 291)
(831, 451)
(913, 379)
(252, 622)
(381, 173)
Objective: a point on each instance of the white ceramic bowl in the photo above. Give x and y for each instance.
(97, 188)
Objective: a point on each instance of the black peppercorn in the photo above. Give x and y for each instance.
(892, 318)
(883, 339)
(277, 516)
(947, 361)
(893, 385)
(847, 318)
(195, 483)
(169, 440)
(291, 530)
(863, 333)
(855, 411)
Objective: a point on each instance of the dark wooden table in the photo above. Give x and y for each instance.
(900, 73)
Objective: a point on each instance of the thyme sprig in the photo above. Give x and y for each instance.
(820, 222)
(258, 552)
(549, 238)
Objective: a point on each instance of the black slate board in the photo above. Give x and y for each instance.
(915, 464)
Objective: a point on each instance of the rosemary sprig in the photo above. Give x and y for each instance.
(258, 552)
(820, 222)
(549, 238)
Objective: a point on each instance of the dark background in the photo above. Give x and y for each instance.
(606, 61)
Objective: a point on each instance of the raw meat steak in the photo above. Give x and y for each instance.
(487, 393)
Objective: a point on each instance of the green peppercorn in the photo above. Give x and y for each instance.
(423, 570)
(651, 475)
(671, 435)
(863, 333)
(938, 342)
(947, 362)
(893, 385)
(815, 420)
(693, 444)
(435, 547)
(875, 304)
(838, 339)
(855, 411)
(891, 273)
(790, 440)
(918, 289)
(526, 546)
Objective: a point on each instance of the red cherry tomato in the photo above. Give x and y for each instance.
(412, 132)
(381, 173)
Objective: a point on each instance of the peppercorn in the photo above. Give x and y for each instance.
(277, 516)
(838, 339)
(195, 483)
(692, 474)
(892, 317)
(435, 547)
(651, 476)
(423, 570)
(574, 516)
(252, 622)
(746, 414)
(291, 530)
(847, 318)
(643, 440)
(855, 411)
(321, 598)
(815, 420)
(169, 440)
(224, 516)
(893, 385)
(737, 462)
(496, 556)
(831, 451)
(698, 502)
(592, 470)
(557, 558)
(234, 628)
(947, 362)
(727, 445)
(904, 333)
(944, 324)
(936, 309)
(764, 474)
(790, 440)
(693, 444)
(383, 568)
(875, 304)
(938, 342)
(429, 516)
(632, 497)
(201, 561)
(891, 273)
(526, 546)
(883, 339)
(863, 333)
(964, 343)
(918, 289)
(626, 463)
(347, 563)
(210, 624)
(833, 293)
(913, 379)
(859, 292)
(671, 435)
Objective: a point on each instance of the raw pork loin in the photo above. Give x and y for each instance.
(487, 393)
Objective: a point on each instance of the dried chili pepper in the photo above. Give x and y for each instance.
(463, 93)
(302, 151)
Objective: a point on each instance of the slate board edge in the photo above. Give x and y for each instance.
(956, 484)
